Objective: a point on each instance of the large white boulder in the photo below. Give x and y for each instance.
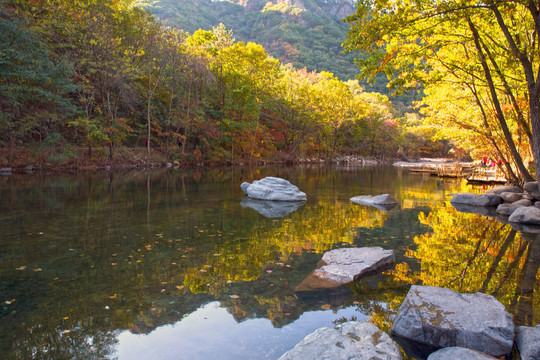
(352, 340)
(273, 188)
(441, 317)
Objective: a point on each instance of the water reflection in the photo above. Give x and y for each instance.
(86, 258)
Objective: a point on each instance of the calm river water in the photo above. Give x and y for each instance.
(172, 264)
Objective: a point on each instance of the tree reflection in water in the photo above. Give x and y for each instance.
(86, 257)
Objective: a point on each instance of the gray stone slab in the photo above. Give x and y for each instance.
(444, 318)
(528, 342)
(345, 265)
(352, 340)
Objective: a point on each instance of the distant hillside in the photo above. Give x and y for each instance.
(305, 33)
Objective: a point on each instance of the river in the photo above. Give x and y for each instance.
(172, 264)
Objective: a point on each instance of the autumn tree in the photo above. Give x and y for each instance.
(489, 47)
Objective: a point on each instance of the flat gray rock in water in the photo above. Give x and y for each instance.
(526, 215)
(351, 340)
(343, 266)
(384, 199)
(271, 209)
(528, 342)
(443, 318)
(487, 199)
(458, 353)
(273, 188)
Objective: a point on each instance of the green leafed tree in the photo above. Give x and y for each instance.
(34, 89)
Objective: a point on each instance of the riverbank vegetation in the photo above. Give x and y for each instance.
(81, 80)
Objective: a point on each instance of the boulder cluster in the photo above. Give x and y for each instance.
(510, 203)
(433, 323)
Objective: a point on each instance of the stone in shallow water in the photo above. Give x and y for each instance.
(526, 215)
(443, 318)
(271, 209)
(352, 340)
(273, 188)
(342, 266)
(459, 353)
(528, 342)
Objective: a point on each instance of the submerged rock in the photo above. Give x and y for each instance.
(454, 353)
(443, 318)
(528, 342)
(487, 199)
(350, 340)
(342, 266)
(526, 215)
(271, 209)
(273, 188)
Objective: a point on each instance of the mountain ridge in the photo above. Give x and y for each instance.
(306, 33)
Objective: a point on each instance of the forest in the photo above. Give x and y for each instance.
(84, 80)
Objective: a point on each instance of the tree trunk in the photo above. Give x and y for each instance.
(500, 115)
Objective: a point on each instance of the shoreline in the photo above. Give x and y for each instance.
(25, 161)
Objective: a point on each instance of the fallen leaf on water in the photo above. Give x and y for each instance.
(139, 261)
(234, 296)
(7, 302)
(269, 271)
(21, 268)
(179, 287)
(65, 318)
(327, 306)
(287, 314)
(162, 290)
(229, 281)
(112, 297)
(38, 269)
(113, 264)
(67, 331)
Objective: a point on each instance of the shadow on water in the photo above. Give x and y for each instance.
(88, 261)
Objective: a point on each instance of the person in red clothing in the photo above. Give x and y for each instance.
(484, 160)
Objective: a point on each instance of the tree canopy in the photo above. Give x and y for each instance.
(477, 61)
